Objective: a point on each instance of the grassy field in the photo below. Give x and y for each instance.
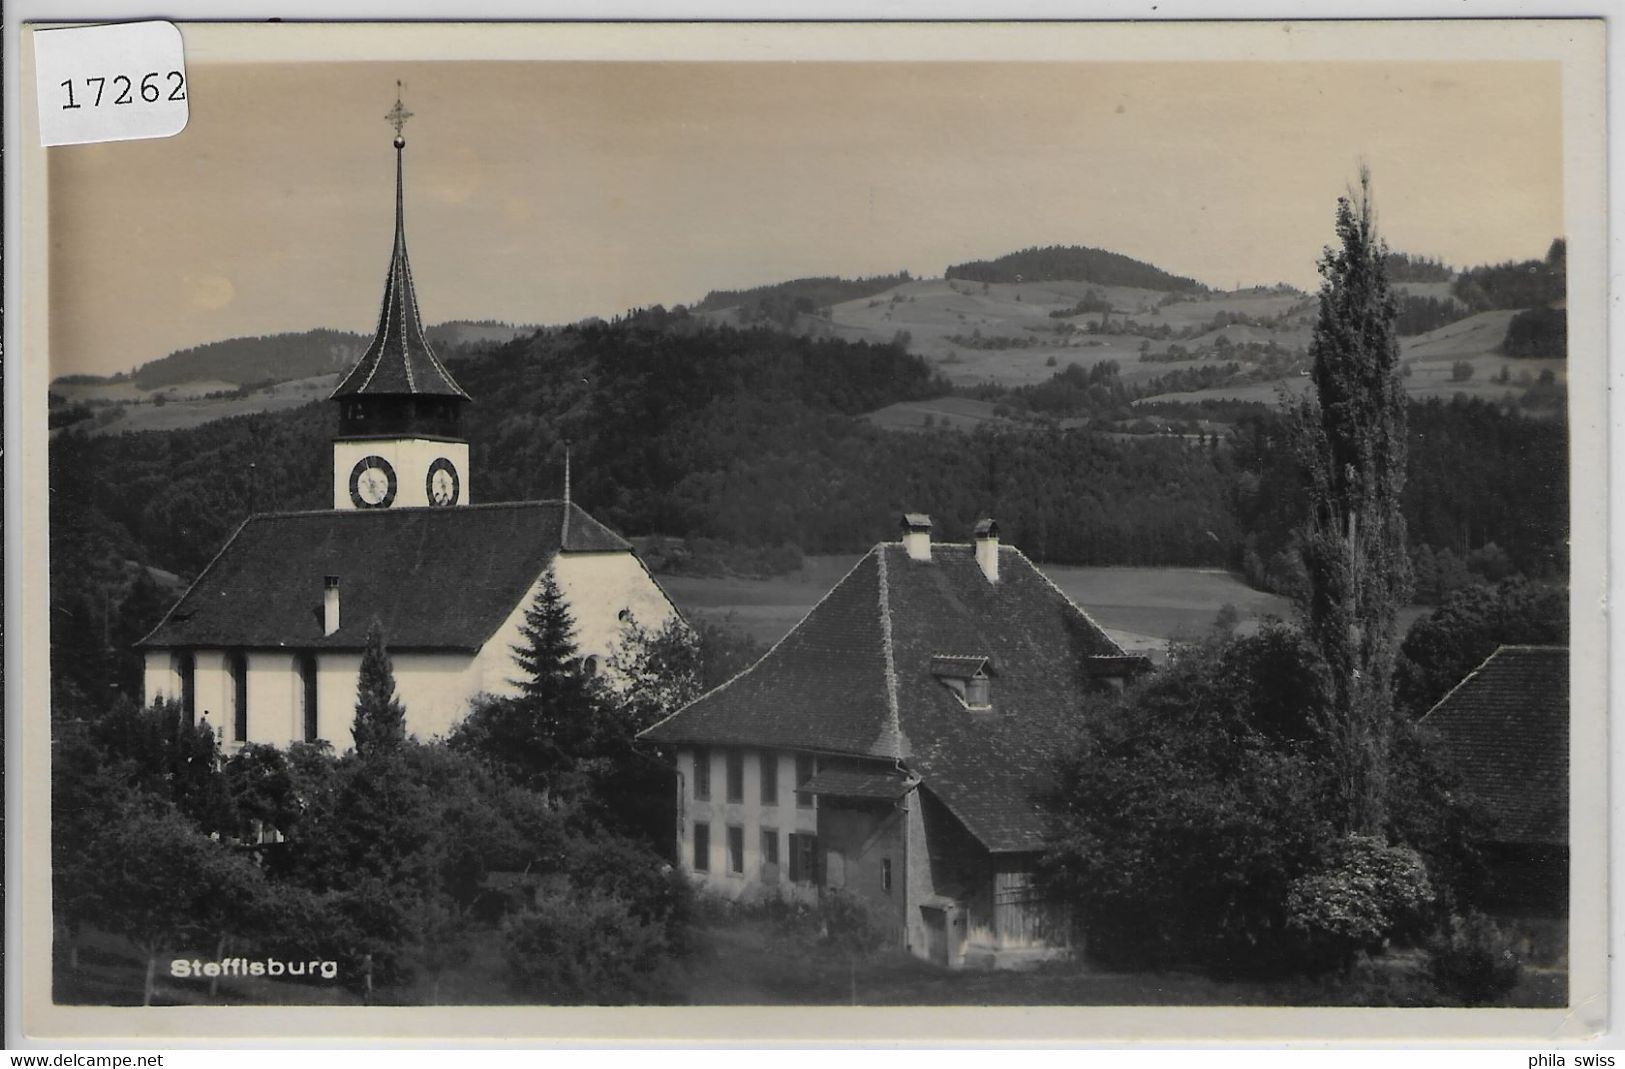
(183, 409)
(1140, 607)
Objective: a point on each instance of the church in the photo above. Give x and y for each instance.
(266, 644)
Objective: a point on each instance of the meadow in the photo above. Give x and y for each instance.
(1142, 608)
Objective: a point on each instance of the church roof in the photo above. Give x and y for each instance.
(861, 675)
(1506, 729)
(436, 578)
(400, 361)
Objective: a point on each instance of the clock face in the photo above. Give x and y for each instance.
(442, 487)
(372, 483)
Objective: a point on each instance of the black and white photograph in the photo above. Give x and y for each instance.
(1080, 516)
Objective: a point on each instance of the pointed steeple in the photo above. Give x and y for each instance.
(400, 362)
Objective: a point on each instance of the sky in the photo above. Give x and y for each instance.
(546, 192)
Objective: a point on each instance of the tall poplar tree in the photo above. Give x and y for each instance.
(380, 719)
(1353, 446)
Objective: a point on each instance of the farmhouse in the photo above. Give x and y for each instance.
(1506, 730)
(267, 642)
(893, 744)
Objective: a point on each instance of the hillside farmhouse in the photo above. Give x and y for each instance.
(893, 746)
(267, 643)
(1505, 728)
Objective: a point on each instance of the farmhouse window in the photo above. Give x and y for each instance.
(885, 874)
(978, 692)
(735, 760)
(702, 847)
(806, 768)
(736, 850)
(702, 774)
(770, 847)
(803, 858)
(770, 777)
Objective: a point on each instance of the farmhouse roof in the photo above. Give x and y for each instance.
(434, 578)
(1506, 728)
(883, 784)
(855, 677)
(400, 360)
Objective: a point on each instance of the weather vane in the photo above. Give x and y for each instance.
(397, 116)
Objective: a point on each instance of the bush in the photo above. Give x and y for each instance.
(1366, 892)
(573, 949)
(1473, 961)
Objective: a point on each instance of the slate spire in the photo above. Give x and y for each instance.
(400, 361)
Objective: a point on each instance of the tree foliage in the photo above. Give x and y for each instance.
(380, 718)
(1352, 434)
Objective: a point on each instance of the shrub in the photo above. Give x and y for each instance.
(592, 950)
(1367, 891)
(1473, 961)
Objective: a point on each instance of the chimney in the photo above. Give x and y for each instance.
(330, 606)
(917, 535)
(987, 549)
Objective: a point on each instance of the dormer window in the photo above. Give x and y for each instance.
(970, 677)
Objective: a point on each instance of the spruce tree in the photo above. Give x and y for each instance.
(380, 719)
(1353, 443)
(556, 693)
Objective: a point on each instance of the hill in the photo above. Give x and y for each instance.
(1072, 263)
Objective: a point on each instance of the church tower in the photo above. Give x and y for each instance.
(400, 441)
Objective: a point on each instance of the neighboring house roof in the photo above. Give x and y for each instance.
(1506, 729)
(856, 677)
(434, 577)
(400, 360)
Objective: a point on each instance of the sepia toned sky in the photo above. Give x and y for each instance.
(548, 192)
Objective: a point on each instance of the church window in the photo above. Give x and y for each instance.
(186, 669)
(702, 774)
(307, 696)
(237, 669)
(589, 665)
(736, 775)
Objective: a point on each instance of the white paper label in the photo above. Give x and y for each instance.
(115, 82)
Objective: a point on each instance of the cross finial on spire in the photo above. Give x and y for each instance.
(397, 116)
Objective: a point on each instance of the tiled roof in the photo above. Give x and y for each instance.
(869, 648)
(851, 783)
(399, 361)
(1506, 728)
(441, 578)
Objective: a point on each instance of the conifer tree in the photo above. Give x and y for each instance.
(380, 719)
(1353, 443)
(556, 692)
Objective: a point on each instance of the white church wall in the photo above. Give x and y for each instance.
(211, 691)
(435, 688)
(604, 590)
(336, 675)
(273, 698)
(159, 679)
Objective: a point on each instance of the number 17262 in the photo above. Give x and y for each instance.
(124, 89)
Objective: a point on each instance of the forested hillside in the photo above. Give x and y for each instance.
(753, 437)
(1077, 263)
